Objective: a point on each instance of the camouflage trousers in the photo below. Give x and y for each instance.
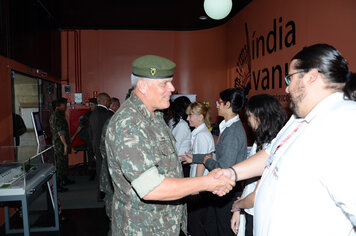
(106, 187)
(61, 162)
(108, 204)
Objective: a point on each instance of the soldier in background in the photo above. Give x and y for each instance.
(143, 163)
(61, 142)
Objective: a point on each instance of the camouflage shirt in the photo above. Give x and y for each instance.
(59, 126)
(141, 153)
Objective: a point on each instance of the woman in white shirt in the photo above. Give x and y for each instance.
(230, 149)
(202, 141)
(180, 128)
(265, 117)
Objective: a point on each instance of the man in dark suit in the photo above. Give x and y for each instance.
(97, 120)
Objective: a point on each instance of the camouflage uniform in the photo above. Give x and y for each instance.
(59, 126)
(141, 153)
(105, 178)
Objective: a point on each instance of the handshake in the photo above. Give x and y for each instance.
(221, 181)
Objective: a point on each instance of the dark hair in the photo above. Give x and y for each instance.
(329, 61)
(179, 106)
(103, 97)
(128, 94)
(350, 86)
(60, 101)
(114, 99)
(93, 100)
(236, 97)
(271, 117)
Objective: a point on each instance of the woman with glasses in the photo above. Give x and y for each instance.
(231, 148)
(265, 117)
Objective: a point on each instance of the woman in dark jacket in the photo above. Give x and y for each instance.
(231, 148)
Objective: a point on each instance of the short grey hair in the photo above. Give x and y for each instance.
(135, 79)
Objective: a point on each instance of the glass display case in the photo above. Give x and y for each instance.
(12, 178)
(24, 168)
(24, 171)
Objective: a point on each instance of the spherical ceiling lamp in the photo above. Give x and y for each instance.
(217, 9)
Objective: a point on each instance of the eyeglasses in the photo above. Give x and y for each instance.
(219, 102)
(288, 79)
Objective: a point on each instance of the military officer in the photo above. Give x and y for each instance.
(61, 142)
(105, 178)
(142, 159)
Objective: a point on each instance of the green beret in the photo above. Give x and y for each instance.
(151, 66)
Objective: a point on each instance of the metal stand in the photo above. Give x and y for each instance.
(25, 214)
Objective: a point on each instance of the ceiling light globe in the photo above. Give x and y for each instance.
(217, 9)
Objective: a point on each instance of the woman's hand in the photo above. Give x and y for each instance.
(235, 222)
(235, 205)
(219, 186)
(186, 159)
(206, 158)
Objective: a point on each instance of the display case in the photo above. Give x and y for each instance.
(12, 178)
(24, 171)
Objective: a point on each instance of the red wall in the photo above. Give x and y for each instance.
(6, 137)
(100, 60)
(316, 21)
(106, 58)
(207, 60)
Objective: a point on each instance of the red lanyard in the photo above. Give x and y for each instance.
(289, 136)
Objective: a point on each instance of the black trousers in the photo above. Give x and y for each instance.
(98, 175)
(249, 225)
(197, 214)
(219, 214)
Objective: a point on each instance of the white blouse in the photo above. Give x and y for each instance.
(202, 142)
(182, 134)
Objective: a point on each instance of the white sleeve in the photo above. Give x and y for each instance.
(203, 144)
(337, 165)
(182, 135)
